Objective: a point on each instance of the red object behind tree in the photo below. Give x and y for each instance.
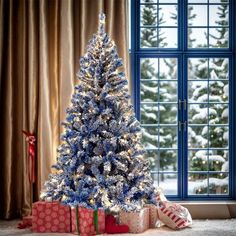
(30, 139)
(113, 228)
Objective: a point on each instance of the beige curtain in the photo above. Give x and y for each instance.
(41, 42)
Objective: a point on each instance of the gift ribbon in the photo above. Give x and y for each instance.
(30, 139)
(95, 220)
(77, 219)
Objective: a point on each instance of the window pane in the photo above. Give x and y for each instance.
(167, 38)
(168, 68)
(150, 137)
(148, 15)
(218, 15)
(197, 15)
(148, 37)
(149, 91)
(218, 183)
(149, 68)
(218, 37)
(198, 160)
(168, 160)
(218, 160)
(168, 137)
(197, 68)
(198, 136)
(168, 15)
(218, 91)
(198, 91)
(168, 182)
(197, 37)
(218, 136)
(168, 113)
(218, 68)
(149, 113)
(198, 114)
(168, 91)
(218, 114)
(152, 157)
(197, 184)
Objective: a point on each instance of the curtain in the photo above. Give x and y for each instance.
(41, 42)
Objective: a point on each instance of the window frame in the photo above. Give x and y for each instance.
(182, 53)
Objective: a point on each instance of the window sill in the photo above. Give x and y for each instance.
(211, 210)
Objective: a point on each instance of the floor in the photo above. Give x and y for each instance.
(199, 228)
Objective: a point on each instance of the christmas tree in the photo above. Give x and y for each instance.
(100, 161)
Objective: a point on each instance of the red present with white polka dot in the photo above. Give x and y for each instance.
(50, 217)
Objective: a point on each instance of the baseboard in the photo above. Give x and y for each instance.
(211, 210)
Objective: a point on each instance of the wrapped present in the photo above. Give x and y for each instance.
(153, 215)
(174, 215)
(50, 217)
(86, 222)
(138, 222)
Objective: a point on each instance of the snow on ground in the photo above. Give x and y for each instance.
(169, 186)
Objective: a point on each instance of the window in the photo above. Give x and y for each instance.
(182, 55)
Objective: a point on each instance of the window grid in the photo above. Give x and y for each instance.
(182, 53)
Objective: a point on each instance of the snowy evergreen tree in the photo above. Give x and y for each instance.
(221, 38)
(168, 113)
(190, 31)
(165, 115)
(150, 18)
(217, 113)
(149, 93)
(149, 113)
(100, 162)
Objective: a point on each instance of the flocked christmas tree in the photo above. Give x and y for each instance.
(100, 161)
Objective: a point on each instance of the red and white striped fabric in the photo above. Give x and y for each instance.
(174, 215)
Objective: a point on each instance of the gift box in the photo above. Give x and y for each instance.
(153, 215)
(50, 217)
(86, 222)
(174, 215)
(138, 222)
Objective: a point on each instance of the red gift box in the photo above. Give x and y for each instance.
(83, 222)
(50, 217)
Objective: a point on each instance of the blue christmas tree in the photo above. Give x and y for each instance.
(100, 161)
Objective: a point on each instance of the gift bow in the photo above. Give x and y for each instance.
(30, 139)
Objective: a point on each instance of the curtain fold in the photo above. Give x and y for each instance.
(41, 42)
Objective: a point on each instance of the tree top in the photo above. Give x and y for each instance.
(101, 27)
